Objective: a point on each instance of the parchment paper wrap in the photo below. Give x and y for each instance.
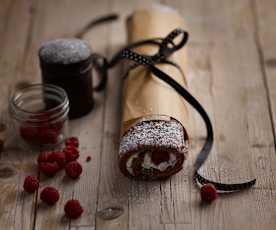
(154, 140)
(143, 94)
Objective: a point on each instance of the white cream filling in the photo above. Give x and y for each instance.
(129, 163)
(148, 164)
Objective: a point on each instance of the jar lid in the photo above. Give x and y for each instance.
(65, 55)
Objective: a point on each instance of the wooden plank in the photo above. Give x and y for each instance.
(113, 186)
(227, 56)
(181, 185)
(91, 130)
(225, 76)
(199, 78)
(64, 19)
(145, 206)
(264, 15)
(5, 12)
(17, 207)
(142, 204)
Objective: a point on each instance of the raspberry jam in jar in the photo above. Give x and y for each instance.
(40, 114)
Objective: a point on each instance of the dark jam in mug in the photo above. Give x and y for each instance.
(67, 64)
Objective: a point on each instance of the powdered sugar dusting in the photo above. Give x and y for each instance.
(163, 134)
(65, 51)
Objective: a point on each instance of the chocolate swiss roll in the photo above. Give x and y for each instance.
(153, 149)
(154, 140)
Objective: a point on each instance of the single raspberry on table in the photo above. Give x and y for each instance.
(208, 192)
(52, 156)
(31, 184)
(73, 169)
(49, 195)
(59, 157)
(49, 168)
(73, 209)
(44, 156)
(72, 141)
(88, 158)
(71, 153)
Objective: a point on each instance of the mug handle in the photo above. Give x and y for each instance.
(101, 65)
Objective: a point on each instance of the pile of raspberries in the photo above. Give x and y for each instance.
(49, 164)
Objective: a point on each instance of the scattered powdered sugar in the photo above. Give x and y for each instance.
(163, 134)
(64, 51)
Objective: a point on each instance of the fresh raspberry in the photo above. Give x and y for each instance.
(159, 156)
(72, 141)
(57, 156)
(44, 157)
(31, 184)
(49, 168)
(73, 169)
(71, 153)
(28, 133)
(73, 209)
(208, 192)
(88, 158)
(60, 158)
(51, 156)
(49, 195)
(47, 135)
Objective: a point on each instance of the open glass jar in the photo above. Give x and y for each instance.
(40, 115)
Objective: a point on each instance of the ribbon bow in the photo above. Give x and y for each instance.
(162, 57)
(167, 46)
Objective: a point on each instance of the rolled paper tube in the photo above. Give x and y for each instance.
(154, 139)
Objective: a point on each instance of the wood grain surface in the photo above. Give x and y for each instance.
(232, 68)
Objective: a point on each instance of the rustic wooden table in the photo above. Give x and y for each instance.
(232, 68)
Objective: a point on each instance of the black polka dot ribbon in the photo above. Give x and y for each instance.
(166, 48)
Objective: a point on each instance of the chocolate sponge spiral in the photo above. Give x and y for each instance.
(153, 149)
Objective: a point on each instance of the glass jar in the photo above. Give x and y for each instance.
(40, 115)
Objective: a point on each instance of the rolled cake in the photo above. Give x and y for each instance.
(154, 139)
(153, 149)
